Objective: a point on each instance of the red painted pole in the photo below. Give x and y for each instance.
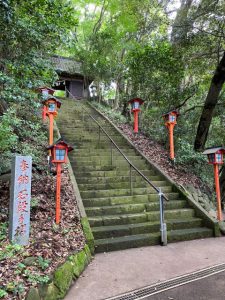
(58, 191)
(135, 121)
(44, 109)
(217, 184)
(172, 155)
(51, 123)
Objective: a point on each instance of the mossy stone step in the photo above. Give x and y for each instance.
(98, 152)
(105, 159)
(140, 228)
(131, 208)
(109, 173)
(106, 180)
(140, 240)
(122, 192)
(125, 242)
(116, 200)
(120, 185)
(98, 164)
(140, 217)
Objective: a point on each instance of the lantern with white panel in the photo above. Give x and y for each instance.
(52, 105)
(45, 93)
(135, 106)
(215, 158)
(170, 119)
(59, 153)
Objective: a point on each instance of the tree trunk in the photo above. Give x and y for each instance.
(209, 106)
(182, 24)
(3, 106)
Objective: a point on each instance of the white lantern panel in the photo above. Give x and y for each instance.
(60, 154)
(51, 107)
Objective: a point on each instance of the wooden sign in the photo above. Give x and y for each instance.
(20, 195)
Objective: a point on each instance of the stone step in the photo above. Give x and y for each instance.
(89, 166)
(116, 200)
(140, 228)
(106, 180)
(104, 159)
(140, 217)
(120, 185)
(140, 240)
(132, 208)
(110, 173)
(122, 192)
(99, 152)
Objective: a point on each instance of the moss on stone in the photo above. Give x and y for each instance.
(33, 294)
(88, 234)
(63, 278)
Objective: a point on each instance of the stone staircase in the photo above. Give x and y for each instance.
(118, 218)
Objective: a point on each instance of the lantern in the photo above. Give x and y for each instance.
(46, 91)
(215, 155)
(52, 105)
(215, 158)
(170, 119)
(135, 105)
(59, 152)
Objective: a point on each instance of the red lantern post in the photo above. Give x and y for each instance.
(52, 105)
(45, 92)
(215, 158)
(135, 104)
(170, 122)
(59, 151)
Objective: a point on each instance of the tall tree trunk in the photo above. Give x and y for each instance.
(209, 106)
(182, 24)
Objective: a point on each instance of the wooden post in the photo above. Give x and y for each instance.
(135, 121)
(58, 191)
(217, 184)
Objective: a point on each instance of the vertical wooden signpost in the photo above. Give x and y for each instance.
(20, 195)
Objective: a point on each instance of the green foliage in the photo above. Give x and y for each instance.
(10, 250)
(112, 114)
(43, 263)
(3, 230)
(35, 277)
(3, 293)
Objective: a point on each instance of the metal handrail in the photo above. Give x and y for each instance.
(162, 197)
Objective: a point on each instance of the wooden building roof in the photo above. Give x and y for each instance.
(67, 66)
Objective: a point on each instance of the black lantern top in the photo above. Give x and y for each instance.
(60, 151)
(215, 154)
(136, 103)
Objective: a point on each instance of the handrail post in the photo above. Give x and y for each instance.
(131, 185)
(99, 133)
(111, 153)
(163, 227)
